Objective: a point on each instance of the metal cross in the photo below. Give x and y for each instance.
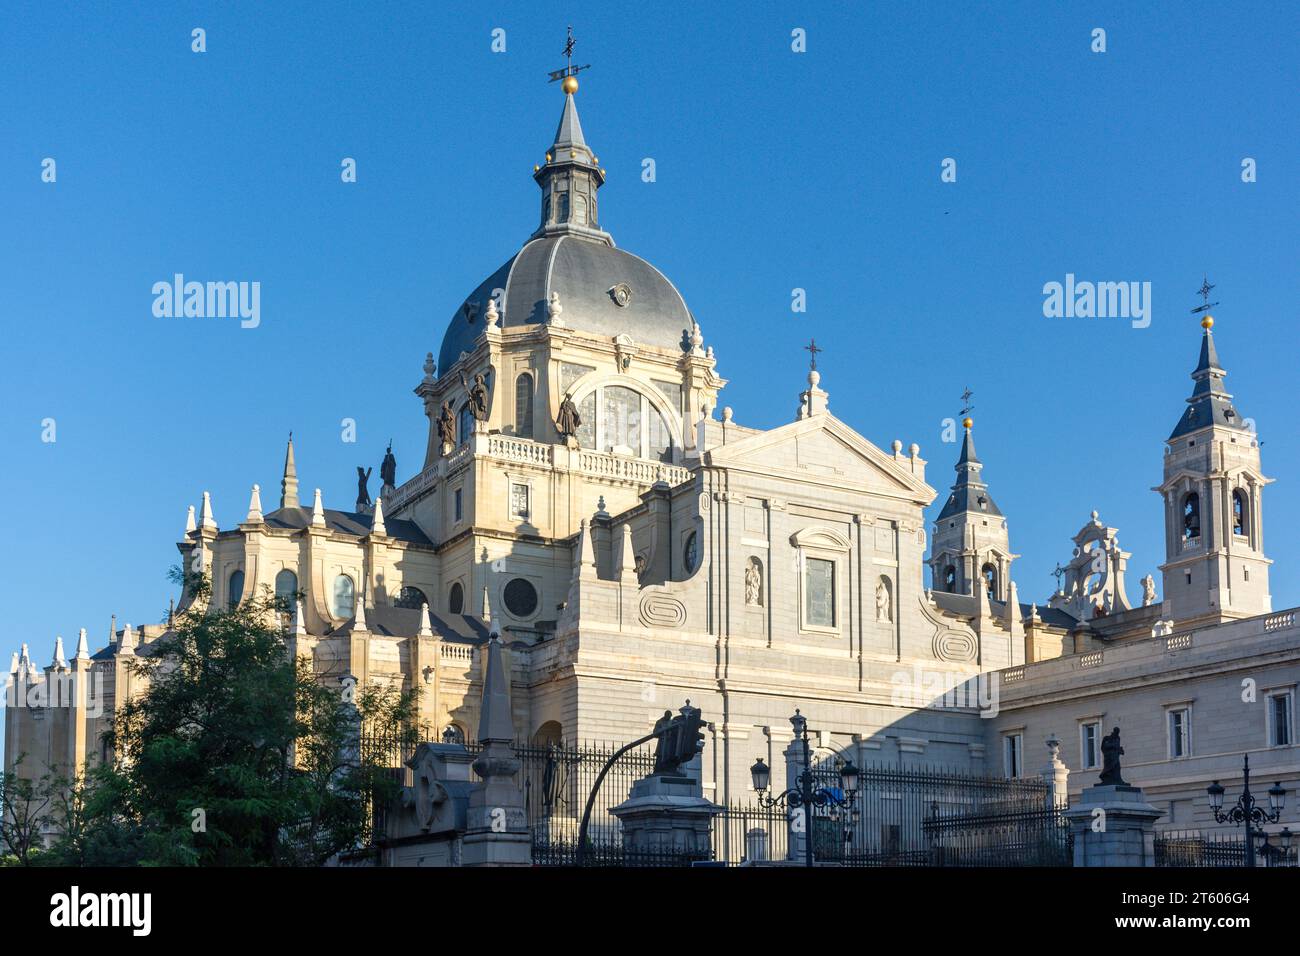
(1204, 293)
(1057, 574)
(967, 407)
(812, 349)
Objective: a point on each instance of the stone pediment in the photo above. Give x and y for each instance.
(824, 448)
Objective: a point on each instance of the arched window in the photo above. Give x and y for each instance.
(464, 424)
(618, 419)
(550, 734)
(236, 590)
(454, 734)
(580, 209)
(1192, 516)
(524, 406)
(950, 579)
(1240, 513)
(990, 574)
(345, 600)
(410, 597)
(456, 599)
(564, 207)
(286, 586)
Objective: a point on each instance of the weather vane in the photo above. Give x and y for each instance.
(1204, 292)
(966, 407)
(812, 350)
(569, 69)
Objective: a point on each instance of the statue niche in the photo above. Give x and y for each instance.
(754, 582)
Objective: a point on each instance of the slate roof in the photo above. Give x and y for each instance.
(347, 522)
(1210, 403)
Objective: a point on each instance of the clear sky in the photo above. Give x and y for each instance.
(775, 170)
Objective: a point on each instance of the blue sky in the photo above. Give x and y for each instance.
(775, 170)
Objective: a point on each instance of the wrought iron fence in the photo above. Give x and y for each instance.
(887, 824)
(1215, 849)
(1024, 837)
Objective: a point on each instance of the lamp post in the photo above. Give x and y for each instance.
(804, 796)
(1247, 811)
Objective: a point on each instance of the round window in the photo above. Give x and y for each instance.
(691, 553)
(521, 597)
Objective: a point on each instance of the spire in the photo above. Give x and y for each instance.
(377, 521)
(814, 401)
(13, 664)
(359, 618)
(970, 493)
(289, 483)
(299, 627)
(206, 521)
(60, 662)
(126, 646)
(317, 512)
(487, 608)
(1210, 403)
(495, 724)
(570, 176)
(190, 526)
(83, 647)
(426, 624)
(254, 506)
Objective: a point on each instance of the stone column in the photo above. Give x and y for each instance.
(1113, 825)
(796, 848)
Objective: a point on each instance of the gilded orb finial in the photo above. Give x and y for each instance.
(1207, 323)
(967, 422)
(570, 84)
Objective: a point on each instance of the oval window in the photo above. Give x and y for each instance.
(521, 597)
(691, 553)
(456, 599)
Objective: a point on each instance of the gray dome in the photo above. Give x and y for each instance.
(584, 272)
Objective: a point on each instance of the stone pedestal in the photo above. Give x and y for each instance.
(496, 831)
(1113, 826)
(666, 814)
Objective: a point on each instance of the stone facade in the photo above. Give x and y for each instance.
(656, 552)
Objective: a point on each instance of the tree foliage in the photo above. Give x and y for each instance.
(235, 753)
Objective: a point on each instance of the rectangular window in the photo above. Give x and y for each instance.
(458, 512)
(1180, 741)
(1089, 741)
(1012, 749)
(819, 592)
(1279, 720)
(518, 500)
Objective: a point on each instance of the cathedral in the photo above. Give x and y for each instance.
(586, 492)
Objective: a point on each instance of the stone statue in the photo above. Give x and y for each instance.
(883, 610)
(753, 584)
(478, 395)
(568, 421)
(1148, 591)
(363, 493)
(447, 425)
(663, 745)
(388, 468)
(1111, 751)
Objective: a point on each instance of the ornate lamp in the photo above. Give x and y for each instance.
(1216, 791)
(1276, 797)
(762, 775)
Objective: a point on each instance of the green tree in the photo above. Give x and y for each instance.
(236, 753)
(24, 808)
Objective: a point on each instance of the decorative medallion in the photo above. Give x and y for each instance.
(659, 609)
(954, 646)
(621, 294)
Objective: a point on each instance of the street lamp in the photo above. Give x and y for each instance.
(805, 795)
(1247, 811)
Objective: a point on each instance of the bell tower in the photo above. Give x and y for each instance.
(1215, 568)
(970, 546)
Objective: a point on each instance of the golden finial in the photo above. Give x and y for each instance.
(570, 85)
(1207, 323)
(967, 422)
